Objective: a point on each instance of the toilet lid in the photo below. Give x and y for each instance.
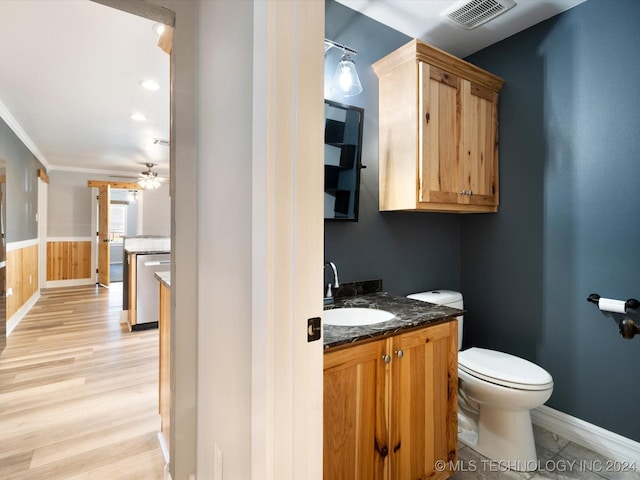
(504, 369)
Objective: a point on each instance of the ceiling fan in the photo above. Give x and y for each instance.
(148, 179)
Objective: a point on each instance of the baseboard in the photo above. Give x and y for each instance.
(163, 447)
(595, 438)
(70, 283)
(22, 311)
(167, 473)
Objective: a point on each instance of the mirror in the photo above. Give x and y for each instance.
(342, 160)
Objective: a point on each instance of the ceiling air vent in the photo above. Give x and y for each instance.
(472, 14)
(159, 141)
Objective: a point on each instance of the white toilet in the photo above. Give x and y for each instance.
(496, 392)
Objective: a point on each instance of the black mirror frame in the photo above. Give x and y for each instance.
(357, 164)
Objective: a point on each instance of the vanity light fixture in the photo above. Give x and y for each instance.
(345, 80)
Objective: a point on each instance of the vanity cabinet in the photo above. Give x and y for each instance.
(438, 132)
(390, 406)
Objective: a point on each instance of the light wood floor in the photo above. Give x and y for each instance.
(79, 392)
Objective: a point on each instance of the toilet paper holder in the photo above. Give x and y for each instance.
(631, 304)
(628, 328)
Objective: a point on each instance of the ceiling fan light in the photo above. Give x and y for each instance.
(149, 183)
(149, 180)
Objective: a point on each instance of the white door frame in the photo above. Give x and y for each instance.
(43, 202)
(287, 236)
(94, 234)
(288, 239)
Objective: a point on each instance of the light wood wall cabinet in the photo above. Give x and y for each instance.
(390, 407)
(438, 120)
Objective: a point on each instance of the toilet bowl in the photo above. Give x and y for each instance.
(496, 393)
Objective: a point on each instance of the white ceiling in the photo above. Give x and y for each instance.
(69, 80)
(70, 73)
(422, 19)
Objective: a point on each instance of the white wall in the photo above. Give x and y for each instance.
(215, 240)
(260, 235)
(69, 209)
(224, 222)
(156, 211)
(69, 205)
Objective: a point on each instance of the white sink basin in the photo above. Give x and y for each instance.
(353, 317)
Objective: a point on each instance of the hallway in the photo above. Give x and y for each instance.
(79, 392)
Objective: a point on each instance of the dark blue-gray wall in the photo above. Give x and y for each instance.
(409, 251)
(22, 186)
(570, 201)
(568, 223)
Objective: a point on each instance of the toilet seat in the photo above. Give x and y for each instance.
(504, 369)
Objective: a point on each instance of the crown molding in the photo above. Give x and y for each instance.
(13, 124)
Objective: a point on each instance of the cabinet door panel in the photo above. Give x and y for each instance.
(398, 140)
(424, 393)
(355, 432)
(440, 134)
(479, 146)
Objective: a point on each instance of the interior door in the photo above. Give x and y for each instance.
(104, 200)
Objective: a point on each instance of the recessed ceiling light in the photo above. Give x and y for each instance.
(150, 85)
(138, 117)
(158, 28)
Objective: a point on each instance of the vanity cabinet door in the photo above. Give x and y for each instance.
(355, 423)
(424, 402)
(391, 407)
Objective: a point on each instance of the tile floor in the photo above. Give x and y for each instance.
(558, 459)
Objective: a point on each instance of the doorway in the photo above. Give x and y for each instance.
(123, 222)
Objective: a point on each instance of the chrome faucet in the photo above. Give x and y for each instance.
(328, 296)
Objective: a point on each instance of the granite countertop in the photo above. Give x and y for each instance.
(147, 244)
(144, 251)
(408, 313)
(164, 277)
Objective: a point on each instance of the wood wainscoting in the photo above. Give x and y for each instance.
(68, 260)
(22, 276)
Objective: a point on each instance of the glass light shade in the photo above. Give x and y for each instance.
(149, 183)
(346, 81)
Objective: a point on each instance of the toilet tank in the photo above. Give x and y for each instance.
(447, 298)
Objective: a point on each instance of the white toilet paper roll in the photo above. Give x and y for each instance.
(611, 305)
